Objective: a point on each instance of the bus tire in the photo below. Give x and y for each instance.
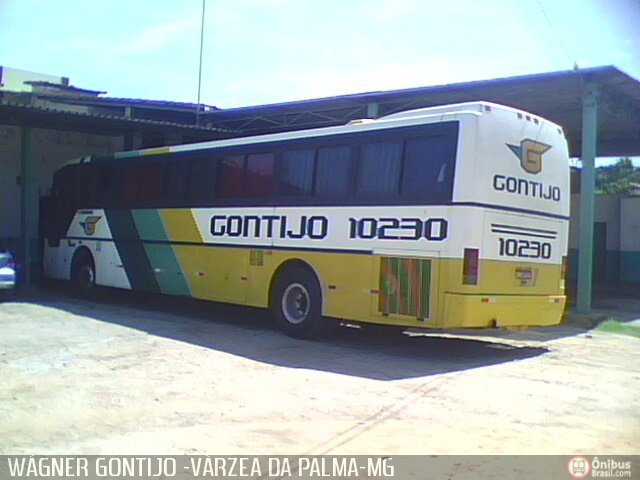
(297, 304)
(83, 273)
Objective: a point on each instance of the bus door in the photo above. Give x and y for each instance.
(229, 268)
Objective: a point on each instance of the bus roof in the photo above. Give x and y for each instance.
(404, 118)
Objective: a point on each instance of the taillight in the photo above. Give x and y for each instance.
(563, 271)
(470, 266)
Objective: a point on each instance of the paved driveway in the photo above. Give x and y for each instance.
(143, 374)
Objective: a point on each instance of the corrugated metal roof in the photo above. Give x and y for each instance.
(126, 102)
(44, 117)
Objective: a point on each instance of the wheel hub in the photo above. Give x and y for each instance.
(295, 303)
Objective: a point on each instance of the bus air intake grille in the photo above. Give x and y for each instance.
(404, 286)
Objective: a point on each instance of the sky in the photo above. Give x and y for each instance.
(269, 51)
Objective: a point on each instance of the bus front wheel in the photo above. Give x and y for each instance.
(83, 273)
(297, 304)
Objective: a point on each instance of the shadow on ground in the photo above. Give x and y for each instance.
(248, 332)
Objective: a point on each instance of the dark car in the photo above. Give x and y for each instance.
(7, 274)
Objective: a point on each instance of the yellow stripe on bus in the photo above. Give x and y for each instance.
(180, 225)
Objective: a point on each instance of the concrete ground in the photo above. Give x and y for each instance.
(129, 374)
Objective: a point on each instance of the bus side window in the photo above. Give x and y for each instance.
(151, 176)
(231, 176)
(427, 168)
(332, 172)
(175, 183)
(295, 173)
(259, 179)
(131, 185)
(110, 185)
(87, 185)
(379, 169)
(202, 180)
(68, 190)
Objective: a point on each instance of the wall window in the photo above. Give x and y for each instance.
(259, 175)
(332, 172)
(379, 169)
(230, 176)
(295, 173)
(428, 168)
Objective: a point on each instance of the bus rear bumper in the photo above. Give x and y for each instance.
(483, 311)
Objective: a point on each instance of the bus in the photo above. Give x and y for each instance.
(446, 217)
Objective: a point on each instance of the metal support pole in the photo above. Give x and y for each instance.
(29, 207)
(200, 63)
(587, 197)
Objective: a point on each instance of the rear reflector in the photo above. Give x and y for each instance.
(470, 266)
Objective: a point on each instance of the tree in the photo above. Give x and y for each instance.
(621, 177)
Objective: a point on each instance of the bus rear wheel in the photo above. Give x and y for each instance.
(83, 273)
(297, 304)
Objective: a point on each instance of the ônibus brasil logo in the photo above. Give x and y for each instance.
(579, 467)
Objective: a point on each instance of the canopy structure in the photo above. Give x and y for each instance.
(557, 96)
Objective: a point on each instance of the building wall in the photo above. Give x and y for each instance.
(630, 239)
(607, 212)
(50, 150)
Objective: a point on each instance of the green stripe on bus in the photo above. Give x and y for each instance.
(425, 281)
(167, 269)
(132, 254)
(149, 225)
(163, 260)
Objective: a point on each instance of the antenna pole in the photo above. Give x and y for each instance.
(200, 65)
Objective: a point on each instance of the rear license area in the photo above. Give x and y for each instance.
(524, 238)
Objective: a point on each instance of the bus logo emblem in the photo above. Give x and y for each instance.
(530, 154)
(89, 224)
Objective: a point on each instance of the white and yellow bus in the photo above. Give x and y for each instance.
(446, 217)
